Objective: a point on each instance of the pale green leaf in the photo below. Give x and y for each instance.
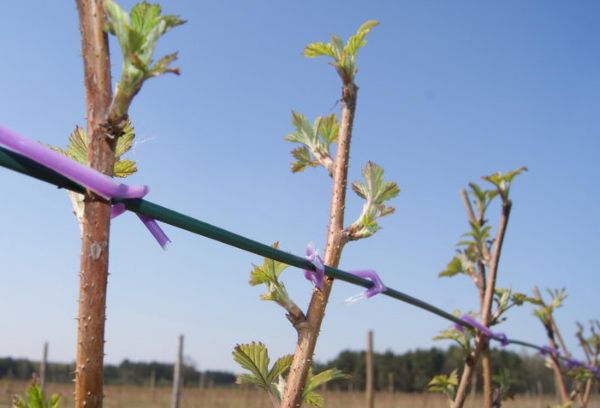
(125, 140)
(124, 168)
(145, 17)
(280, 367)
(327, 128)
(318, 50)
(357, 41)
(254, 357)
(454, 268)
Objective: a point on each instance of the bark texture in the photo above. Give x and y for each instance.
(96, 218)
(308, 331)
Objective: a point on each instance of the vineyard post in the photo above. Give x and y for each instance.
(370, 392)
(43, 365)
(177, 380)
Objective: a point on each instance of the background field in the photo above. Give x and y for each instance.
(137, 397)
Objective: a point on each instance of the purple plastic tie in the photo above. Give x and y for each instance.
(547, 350)
(117, 210)
(476, 325)
(100, 183)
(501, 337)
(572, 363)
(89, 178)
(377, 287)
(316, 276)
(157, 232)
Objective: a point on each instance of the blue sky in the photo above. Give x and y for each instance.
(449, 92)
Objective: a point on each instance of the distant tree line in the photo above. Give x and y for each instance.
(412, 371)
(407, 372)
(125, 373)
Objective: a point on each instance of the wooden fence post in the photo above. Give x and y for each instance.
(43, 364)
(177, 380)
(369, 372)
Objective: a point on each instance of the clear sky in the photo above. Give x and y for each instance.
(449, 92)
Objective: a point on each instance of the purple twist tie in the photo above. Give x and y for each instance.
(476, 325)
(316, 276)
(87, 177)
(547, 350)
(378, 286)
(501, 337)
(572, 363)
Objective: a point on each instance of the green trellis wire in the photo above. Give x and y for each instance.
(21, 164)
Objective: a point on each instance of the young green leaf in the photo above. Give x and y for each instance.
(343, 55)
(502, 182)
(35, 398)
(454, 268)
(253, 357)
(77, 149)
(138, 33)
(445, 384)
(314, 381)
(316, 140)
(376, 192)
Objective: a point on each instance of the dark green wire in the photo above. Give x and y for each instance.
(21, 164)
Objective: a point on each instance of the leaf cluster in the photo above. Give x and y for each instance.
(268, 274)
(138, 33)
(254, 357)
(462, 337)
(35, 398)
(375, 191)
(505, 299)
(504, 385)
(78, 146)
(544, 311)
(503, 182)
(343, 55)
(445, 384)
(316, 140)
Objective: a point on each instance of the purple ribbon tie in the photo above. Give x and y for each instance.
(316, 276)
(501, 337)
(87, 177)
(547, 350)
(377, 287)
(572, 363)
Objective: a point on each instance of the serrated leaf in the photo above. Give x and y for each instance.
(357, 41)
(309, 396)
(78, 146)
(124, 168)
(338, 47)
(502, 182)
(162, 65)
(445, 384)
(360, 189)
(319, 49)
(125, 140)
(314, 399)
(280, 367)
(303, 159)
(254, 357)
(454, 268)
(145, 17)
(269, 271)
(327, 128)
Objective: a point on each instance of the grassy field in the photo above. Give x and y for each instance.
(138, 397)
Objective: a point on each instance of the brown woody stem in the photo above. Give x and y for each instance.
(96, 218)
(558, 377)
(481, 344)
(336, 239)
